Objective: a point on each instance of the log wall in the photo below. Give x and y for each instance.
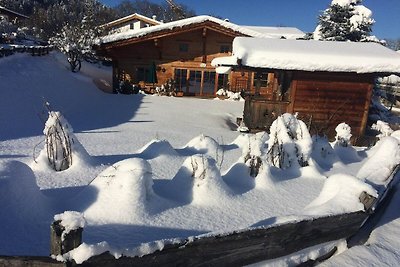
(203, 44)
(323, 100)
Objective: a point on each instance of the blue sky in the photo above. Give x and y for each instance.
(297, 13)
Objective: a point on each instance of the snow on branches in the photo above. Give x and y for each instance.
(58, 141)
(343, 135)
(290, 143)
(345, 20)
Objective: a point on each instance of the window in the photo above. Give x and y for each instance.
(180, 79)
(194, 81)
(223, 81)
(225, 49)
(184, 47)
(262, 77)
(208, 82)
(131, 26)
(145, 74)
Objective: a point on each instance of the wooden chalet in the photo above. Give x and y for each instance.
(326, 83)
(182, 51)
(132, 22)
(11, 15)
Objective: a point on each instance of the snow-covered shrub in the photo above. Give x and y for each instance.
(254, 152)
(229, 94)
(383, 128)
(123, 192)
(58, 145)
(343, 135)
(204, 144)
(198, 181)
(290, 142)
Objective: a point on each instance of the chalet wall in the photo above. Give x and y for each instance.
(324, 100)
(203, 46)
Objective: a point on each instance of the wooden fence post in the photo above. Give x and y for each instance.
(61, 243)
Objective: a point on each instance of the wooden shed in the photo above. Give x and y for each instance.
(180, 50)
(325, 83)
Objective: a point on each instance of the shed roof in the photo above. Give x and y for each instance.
(279, 32)
(245, 30)
(311, 55)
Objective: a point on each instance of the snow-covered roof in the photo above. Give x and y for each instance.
(181, 23)
(278, 32)
(131, 17)
(311, 55)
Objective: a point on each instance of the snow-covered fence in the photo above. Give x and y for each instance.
(249, 245)
(8, 50)
(236, 248)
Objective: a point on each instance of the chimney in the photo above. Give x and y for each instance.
(154, 17)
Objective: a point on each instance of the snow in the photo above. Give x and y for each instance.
(343, 134)
(384, 157)
(249, 31)
(157, 169)
(278, 32)
(70, 220)
(311, 55)
(340, 192)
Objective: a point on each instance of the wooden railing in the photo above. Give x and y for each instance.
(8, 50)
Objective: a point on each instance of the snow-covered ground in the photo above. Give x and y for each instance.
(148, 167)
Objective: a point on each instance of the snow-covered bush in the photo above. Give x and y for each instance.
(59, 141)
(123, 192)
(229, 94)
(290, 142)
(204, 144)
(253, 153)
(343, 135)
(383, 128)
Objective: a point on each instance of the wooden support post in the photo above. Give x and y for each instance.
(62, 243)
(368, 201)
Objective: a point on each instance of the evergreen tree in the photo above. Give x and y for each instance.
(345, 21)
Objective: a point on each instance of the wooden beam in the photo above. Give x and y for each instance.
(366, 109)
(204, 36)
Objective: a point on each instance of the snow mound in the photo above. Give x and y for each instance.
(323, 153)
(123, 193)
(396, 134)
(383, 128)
(264, 178)
(155, 148)
(79, 155)
(198, 182)
(19, 192)
(25, 212)
(340, 194)
(238, 178)
(204, 144)
(385, 157)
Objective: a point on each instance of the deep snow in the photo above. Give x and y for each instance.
(154, 167)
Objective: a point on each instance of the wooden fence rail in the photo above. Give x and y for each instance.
(8, 50)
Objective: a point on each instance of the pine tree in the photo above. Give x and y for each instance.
(345, 21)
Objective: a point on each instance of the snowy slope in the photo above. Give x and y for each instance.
(155, 168)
